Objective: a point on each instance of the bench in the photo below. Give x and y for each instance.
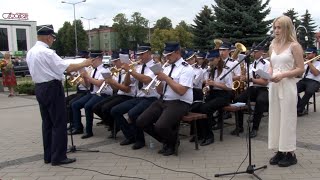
(191, 118)
(229, 108)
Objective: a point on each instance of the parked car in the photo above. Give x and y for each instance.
(21, 68)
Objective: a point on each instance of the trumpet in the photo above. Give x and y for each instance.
(154, 82)
(115, 71)
(310, 60)
(102, 87)
(133, 64)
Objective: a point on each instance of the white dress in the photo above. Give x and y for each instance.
(282, 104)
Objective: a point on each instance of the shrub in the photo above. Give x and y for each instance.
(25, 88)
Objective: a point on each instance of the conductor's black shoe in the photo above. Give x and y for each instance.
(47, 161)
(66, 161)
(236, 131)
(253, 133)
(206, 142)
(169, 151)
(75, 131)
(164, 148)
(138, 145)
(86, 135)
(127, 142)
(276, 158)
(288, 160)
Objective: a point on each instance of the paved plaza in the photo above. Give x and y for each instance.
(21, 152)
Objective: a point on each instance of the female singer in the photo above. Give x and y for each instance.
(286, 63)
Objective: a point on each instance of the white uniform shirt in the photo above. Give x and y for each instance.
(260, 64)
(198, 77)
(227, 80)
(230, 63)
(183, 74)
(133, 86)
(98, 76)
(44, 64)
(316, 64)
(147, 72)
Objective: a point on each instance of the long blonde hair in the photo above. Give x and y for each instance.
(288, 33)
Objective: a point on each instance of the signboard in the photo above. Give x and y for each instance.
(17, 16)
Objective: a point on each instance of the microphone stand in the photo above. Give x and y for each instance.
(251, 167)
(72, 148)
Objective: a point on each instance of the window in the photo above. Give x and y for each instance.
(4, 45)
(21, 39)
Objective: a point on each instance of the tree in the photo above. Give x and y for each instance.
(293, 15)
(202, 30)
(121, 25)
(308, 23)
(138, 29)
(82, 37)
(160, 36)
(185, 26)
(163, 23)
(185, 37)
(241, 21)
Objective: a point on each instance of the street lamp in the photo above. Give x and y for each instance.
(89, 19)
(74, 17)
(149, 38)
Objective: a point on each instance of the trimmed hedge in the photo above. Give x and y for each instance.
(25, 88)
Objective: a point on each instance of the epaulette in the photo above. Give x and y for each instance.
(226, 67)
(230, 59)
(263, 61)
(185, 63)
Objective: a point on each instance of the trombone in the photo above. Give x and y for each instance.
(310, 60)
(154, 82)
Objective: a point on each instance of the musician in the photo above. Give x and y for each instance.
(218, 96)
(224, 51)
(122, 92)
(134, 107)
(310, 82)
(46, 69)
(93, 81)
(258, 92)
(201, 61)
(160, 120)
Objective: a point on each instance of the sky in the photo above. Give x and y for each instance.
(56, 13)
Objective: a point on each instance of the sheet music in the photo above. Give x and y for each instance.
(262, 74)
(156, 68)
(124, 58)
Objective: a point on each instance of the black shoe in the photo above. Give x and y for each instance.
(100, 123)
(276, 158)
(217, 127)
(288, 160)
(112, 135)
(236, 131)
(206, 142)
(164, 148)
(86, 135)
(75, 131)
(127, 142)
(47, 161)
(66, 161)
(302, 113)
(253, 133)
(138, 145)
(169, 151)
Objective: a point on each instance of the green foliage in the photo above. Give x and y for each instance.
(25, 88)
(202, 30)
(138, 29)
(308, 23)
(65, 43)
(293, 15)
(163, 23)
(160, 36)
(121, 25)
(241, 21)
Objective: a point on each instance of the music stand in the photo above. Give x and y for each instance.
(73, 148)
(251, 167)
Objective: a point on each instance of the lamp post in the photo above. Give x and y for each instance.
(74, 17)
(149, 36)
(301, 26)
(89, 19)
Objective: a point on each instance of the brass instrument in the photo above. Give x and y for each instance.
(79, 79)
(218, 43)
(154, 82)
(310, 60)
(239, 85)
(115, 71)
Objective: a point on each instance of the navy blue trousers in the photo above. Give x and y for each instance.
(51, 98)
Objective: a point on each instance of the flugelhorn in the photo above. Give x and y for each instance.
(154, 82)
(310, 60)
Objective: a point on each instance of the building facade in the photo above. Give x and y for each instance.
(17, 36)
(104, 39)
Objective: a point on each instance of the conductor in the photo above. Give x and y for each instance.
(46, 69)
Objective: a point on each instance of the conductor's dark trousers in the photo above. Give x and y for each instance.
(50, 96)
